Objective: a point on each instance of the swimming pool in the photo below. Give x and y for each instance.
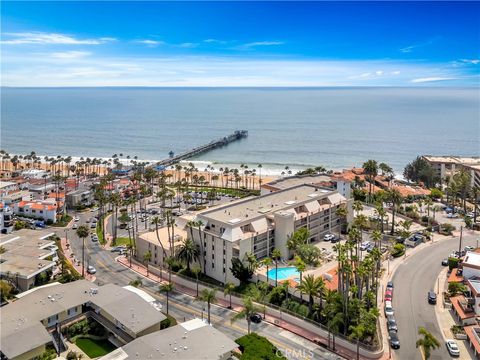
(283, 273)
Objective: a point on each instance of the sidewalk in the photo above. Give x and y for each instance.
(224, 302)
(73, 258)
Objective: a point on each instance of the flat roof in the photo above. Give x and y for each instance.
(202, 342)
(288, 182)
(253, 208)
(471, 258)
(20, 325)
(6, 183)
(463, 160)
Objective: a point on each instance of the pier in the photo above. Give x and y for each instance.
(237, 135)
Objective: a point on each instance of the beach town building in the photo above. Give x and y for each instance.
(257, 225)
(6, 218)
(185, 341)
(43, 210)
(341, 184)
(27, 254)
(447, 166)
(79, 198)
(35, 174)
(7, 187)
(38, 318)
(16, 196)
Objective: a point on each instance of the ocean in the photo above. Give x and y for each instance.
(295, 127)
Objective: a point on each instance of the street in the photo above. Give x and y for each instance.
(184, 307)
(417, 275)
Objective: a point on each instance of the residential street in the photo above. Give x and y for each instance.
(413, 279)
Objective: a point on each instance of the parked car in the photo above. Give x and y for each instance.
(390, 285)
(76, 218)
(388, 295)
(93, 225)
(364, 245)
(432, 297)
(75, 226)
(370, 247)
(256, 318)
(388, 309)
(445, 262)
(469, 248)
(392, 323)
(393, 339)
(452, 348)
(91, 269)
(88, 220)
(329, 237)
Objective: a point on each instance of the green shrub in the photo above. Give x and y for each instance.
(398, 250)
(255, 347)
(447, 228)
(452, 263)
(277, 295)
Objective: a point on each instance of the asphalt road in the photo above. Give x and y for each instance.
(412, 280)
(184, 307)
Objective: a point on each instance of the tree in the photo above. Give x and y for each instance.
(196, 270)
(228, 290)
(267, 262)
(166, 288)
(419, 170)
(310, 254)
(357, 333)
(298, 238)
(370, 168)
(240, 271)
(276, 255)
(428, 342)
(146, 259)
(208, 295)
(188, 252)
(5, 290)
(249, 309)
(300, 266)
(357, 206)
(342, 213)
(394, 196)
(82, 233)
(310, 286)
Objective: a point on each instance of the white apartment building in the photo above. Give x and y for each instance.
(260, 224)
(447, 166)
(44, 210)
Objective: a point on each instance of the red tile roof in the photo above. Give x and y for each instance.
(469, 330)
(459, 309)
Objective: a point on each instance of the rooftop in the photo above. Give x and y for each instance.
(190, 340)
(21, 319)
(257, 207)
(288, 182)
(463, 160)
(472, 259)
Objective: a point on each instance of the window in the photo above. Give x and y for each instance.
(326, 226)
(213, 226)
(213, 265)
(72, 311)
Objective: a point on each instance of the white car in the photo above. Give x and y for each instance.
(74, 226)
(452, 347)
(76, 218)
(329, 237)
(469, 248)
(364, 245)
(91, 269)
(388, 309)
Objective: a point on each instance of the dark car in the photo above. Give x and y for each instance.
(391, 323)
(432, 297)
(256, 318)
(393, 338)
(390, 285)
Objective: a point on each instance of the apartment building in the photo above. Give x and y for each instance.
(447, 166)
(44, 210)
(260, 224)
(6, 219)
(39, 317)
(79, 198)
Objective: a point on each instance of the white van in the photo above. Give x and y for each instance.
(388, 308)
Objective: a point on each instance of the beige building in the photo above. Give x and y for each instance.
(447, 166)
(193, 339)
(39, 316)
(258, 225)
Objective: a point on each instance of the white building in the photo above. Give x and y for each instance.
(6, 187)
(6, 219)
(447, 166)
(260, 224)
(44, 210)
(471, 265)
(35, 174)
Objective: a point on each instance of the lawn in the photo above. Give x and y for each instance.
(95, 348)
(122, 241)
(255, 347)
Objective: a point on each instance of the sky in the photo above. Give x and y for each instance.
(240, 43)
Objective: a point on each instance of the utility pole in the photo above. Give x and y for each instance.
(460, 241)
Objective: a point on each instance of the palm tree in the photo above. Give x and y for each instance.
(167, 289)
(301, 267)
(310, 286)
(357, 333)
(267, 262)
(370, 168)
(157, 221)
(82, 233)
(208, 295)
(196, 270)
(341, 212)
(228, 290)
(249, 309)
(276, 254)
(427, 343)
(146, 259)
(394, 196)
(357, 206)
(188, 252)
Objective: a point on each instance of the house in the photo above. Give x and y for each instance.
(79, 198)
(44, 210)
(7, 187)
(35, 174)
(39, 317)
(185, 341)
(447, 166)
(473, 337)
(471, 265)
(257, 225)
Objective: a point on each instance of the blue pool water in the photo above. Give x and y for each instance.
(283, 273)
